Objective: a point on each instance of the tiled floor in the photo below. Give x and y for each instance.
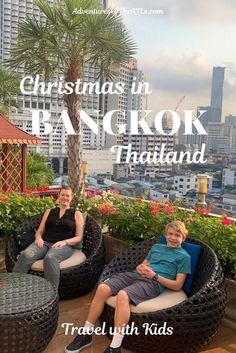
(75, 311)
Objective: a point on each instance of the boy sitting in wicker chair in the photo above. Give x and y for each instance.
(166, 266)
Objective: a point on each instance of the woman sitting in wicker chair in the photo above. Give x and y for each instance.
(166, 266)
(59, 229)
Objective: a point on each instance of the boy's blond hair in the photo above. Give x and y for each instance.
(179, 226)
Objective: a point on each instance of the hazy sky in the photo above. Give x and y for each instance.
(178, 49)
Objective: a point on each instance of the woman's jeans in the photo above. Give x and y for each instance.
(51, 256)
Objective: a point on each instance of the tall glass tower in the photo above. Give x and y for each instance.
(216, 94)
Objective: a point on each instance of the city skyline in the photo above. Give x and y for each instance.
(179, 48)
(54, 146)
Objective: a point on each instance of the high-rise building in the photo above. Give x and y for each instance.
(212, 115)
(195, 138)
(12, 13)
(127, 74)
(215, 110)
(216, 141)
(53, 145)
(230, 132)
(152, 144)
(229, 176)
(1, 29)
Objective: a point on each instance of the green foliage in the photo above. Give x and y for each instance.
(38, 172)
(15, 208)
(9, 86)
(133, 220)
(220, 237)
(66, 40)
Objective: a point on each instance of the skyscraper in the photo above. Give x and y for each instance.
(126, 101)
(215, 111)
(53, 145)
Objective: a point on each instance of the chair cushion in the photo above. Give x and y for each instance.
(194, 251)
(76, 259)
(79, 245)
(166, 299)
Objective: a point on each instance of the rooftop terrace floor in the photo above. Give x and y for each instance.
(75, 311)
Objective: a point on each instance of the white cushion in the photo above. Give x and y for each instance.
(165, 300)
(76, 258)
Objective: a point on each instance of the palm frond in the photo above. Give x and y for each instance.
(47, 10)
(9, 87)
(62, 39)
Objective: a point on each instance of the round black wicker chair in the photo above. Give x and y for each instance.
(194, 321)
(77, 280)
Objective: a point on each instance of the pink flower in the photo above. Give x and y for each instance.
(89, 193)
(154, 209)
(226, 221)
(190, 218)
(113, 210)
(169, 209)
(107, 209)
(203, 211)
(138, 200)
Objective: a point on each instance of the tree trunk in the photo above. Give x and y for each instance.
(74, 145)
(74, 152)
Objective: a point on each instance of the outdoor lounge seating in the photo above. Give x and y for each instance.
(77, 278)
(194, 320)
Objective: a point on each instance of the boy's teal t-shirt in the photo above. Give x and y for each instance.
(167, 261)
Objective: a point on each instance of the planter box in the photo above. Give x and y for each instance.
(3, 242)
(231, 289)
(113, 247)
(230, 311)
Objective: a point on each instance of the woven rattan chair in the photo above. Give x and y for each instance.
(77, 280)
(28, 313)
(194, 321)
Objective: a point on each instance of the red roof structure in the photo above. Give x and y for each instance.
(13, 152)
(11, 135)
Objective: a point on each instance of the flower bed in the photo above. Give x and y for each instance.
(133, 220)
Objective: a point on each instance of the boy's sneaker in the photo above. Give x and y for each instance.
(80, 342)
(112, 350)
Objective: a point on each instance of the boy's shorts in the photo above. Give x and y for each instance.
(136, 286)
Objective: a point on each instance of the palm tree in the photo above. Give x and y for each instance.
(63, 42)
(9, 86)
(38, 172)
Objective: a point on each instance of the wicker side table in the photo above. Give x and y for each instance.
(28, 313)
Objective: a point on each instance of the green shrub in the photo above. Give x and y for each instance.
(15, 208)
